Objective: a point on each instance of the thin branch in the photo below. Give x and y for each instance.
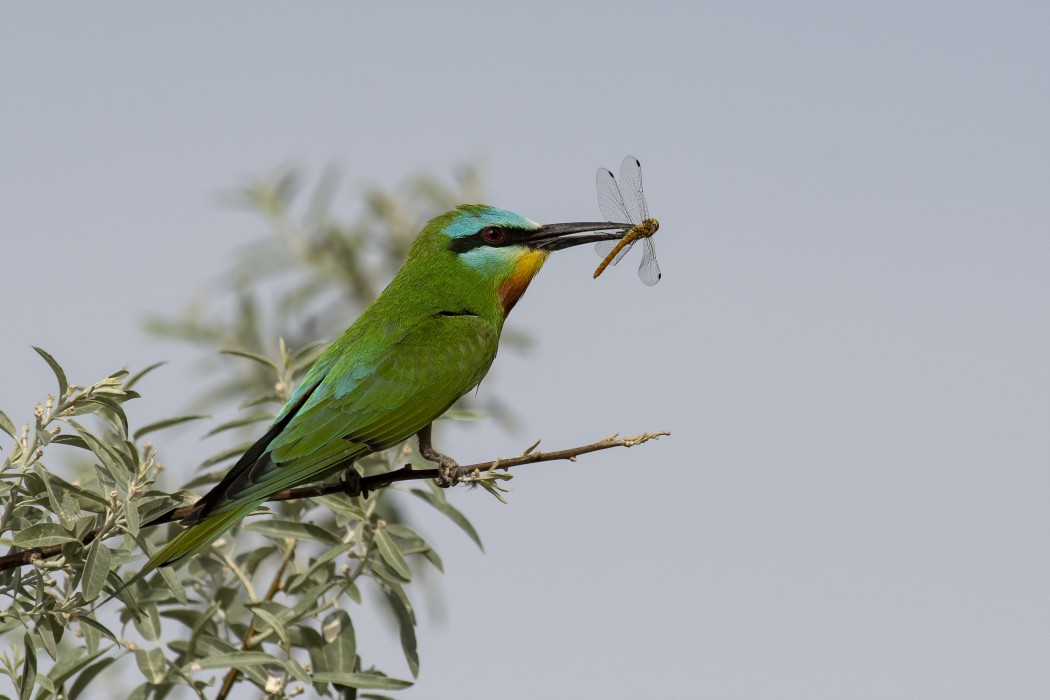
(364, 486)
(275, 585)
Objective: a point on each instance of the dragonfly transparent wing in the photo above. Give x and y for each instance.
(614, 209)
(603, 248)
(631, 190)
(649, 269)
(610, 200)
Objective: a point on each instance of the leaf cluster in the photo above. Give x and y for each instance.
(276, 612)
(272, 603)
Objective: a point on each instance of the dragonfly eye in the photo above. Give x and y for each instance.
(492, 234)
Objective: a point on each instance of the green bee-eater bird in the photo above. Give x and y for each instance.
(428, 339)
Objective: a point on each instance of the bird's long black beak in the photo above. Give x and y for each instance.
(560, 236)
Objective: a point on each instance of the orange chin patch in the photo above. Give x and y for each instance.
(515, 285)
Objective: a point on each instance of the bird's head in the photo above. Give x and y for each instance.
(499, 250)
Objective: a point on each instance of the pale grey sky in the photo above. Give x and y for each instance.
(849, 342)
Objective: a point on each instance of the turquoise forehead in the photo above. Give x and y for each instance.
(471, 218)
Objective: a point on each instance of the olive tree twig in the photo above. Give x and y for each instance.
(363, 486)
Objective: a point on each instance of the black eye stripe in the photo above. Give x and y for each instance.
(511, 236)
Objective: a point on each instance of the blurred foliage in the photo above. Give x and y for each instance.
(273, 598)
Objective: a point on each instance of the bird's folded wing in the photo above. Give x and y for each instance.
(365, 400)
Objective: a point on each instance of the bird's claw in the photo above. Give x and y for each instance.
(352, 484)
(448, 472)
(448, 469)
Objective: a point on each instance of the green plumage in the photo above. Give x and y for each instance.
(428, 339)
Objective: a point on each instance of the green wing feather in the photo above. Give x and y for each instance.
(359, 397)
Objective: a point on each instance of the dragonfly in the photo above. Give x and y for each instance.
(632, 210)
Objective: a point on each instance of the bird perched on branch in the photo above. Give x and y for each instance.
(427, 340)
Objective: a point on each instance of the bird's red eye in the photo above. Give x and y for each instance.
(492, 234)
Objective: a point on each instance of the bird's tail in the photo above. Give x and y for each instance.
(197, 536)
(189, 541)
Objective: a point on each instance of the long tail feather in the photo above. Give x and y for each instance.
(189, 541)
(197, 536)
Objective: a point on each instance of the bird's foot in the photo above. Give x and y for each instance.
(448, 471)
(352, 484)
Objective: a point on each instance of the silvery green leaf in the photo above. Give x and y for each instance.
(141, 692)
(166, 423)
(402, 531)
(238, 659)
(151, 663)
(50, 632)
(261, 399)
(305, 356)
(131, 517)
(230, 453)
(85, 524)
(7, 426)
(62, 502)
(279, 529)
(341, 505)
(340, 648)
(302, 577)
(96, 570)
(438, 501)
(406, 624)
(109, 458)
(308, 599)
(148, 625)
(86, 621)
(28, 680)
(463, 414)
(361, 680)
(60, 375)
(265, 361)
(528, 450)
(173, 583)
(134, 379)
(388, 550)
(72, 441)
(273, 623)
(91, 637)
(42, 535)
(431, 555)
(85, 678)
(47, 688)
(381, 570)
(297, 671)
(239, 422)
(98, 403)
(250, 560)
(72, 661)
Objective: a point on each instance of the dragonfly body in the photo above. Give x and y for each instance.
(643, 230)
(624, 203)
